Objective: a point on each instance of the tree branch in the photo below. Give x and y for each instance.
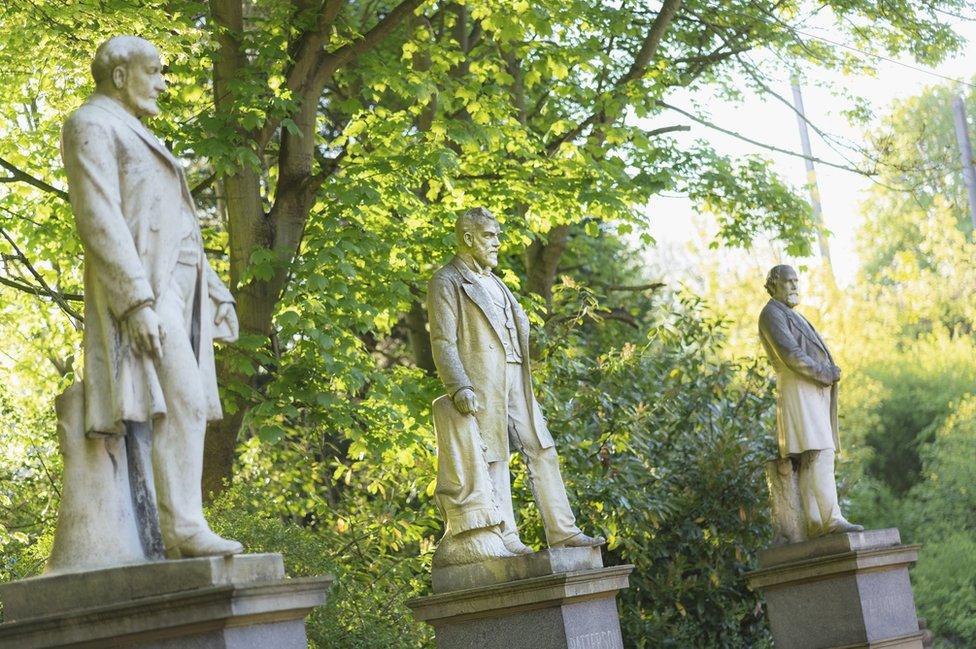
(771, 147)
(335, 60)
(718, 54)
(637, 69)
(203, 185)
(598, 315)
(327, 167)
(54, 295)
(307, 53)
(38, 291)
(668, 129)
(23, 176)
(651, 42)
(653, 286)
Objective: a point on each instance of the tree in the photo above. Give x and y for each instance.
(919, 172)
(917, 251)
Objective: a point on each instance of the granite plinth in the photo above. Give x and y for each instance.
(241, 602)
(542, 608)
(840, 591)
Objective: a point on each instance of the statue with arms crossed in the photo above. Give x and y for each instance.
(806, 402)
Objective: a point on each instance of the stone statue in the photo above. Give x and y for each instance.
(153, 308)
(806, 414)
(480, 343)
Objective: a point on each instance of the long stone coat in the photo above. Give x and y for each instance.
(133, 210)
(466, 332)
(806, 399)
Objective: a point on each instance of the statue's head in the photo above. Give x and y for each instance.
(783, 284)
(128, 69)
(477, 234)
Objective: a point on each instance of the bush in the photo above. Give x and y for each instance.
(942, 515)
(945, 588)
(664, 446)
(365, 607)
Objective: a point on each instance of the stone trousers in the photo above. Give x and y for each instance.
(177, 436)
(818, 491)
(542, 465)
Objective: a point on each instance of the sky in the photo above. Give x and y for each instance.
(673, 221)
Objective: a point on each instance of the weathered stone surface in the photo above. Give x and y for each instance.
(479, 337)
(239, 602)
(98, 532)
(831, 544)
(46, 595)
(786, 510)
(842, 590)
(566, 610)
(496, 571)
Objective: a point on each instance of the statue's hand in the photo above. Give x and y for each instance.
(226, 311)
(144, 331)
(466, 401)
(836, 374)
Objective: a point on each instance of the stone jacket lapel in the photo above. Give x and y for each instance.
(477, 294)
(110, 105)
(806, 329)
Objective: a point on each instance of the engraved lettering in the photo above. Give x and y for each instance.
(598, 640)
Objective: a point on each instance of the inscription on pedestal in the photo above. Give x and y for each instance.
(598, 640)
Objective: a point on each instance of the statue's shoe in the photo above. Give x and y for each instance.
(208, 544)
(472, 546)
(842, 526)
(515, 545)
(580, 541)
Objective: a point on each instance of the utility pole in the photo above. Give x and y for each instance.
(965, 153)
(811, 174)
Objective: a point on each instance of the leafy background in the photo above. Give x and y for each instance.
(565, 118)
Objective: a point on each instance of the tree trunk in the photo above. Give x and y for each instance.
(542, 262)
(248, 228)
(419, 338)
(280, 229)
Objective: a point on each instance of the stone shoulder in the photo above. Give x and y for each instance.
(87, 114)
(88, 120)
(446, 275)
(771, 312)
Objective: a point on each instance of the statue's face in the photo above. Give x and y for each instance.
(483, 242)
(786, 288)
(139, 83)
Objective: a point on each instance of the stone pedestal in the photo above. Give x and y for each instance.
(241, 602)
(554, 599)
(845, 591)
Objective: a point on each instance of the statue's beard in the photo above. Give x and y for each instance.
(486, 259)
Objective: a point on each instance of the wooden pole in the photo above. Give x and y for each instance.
(965, 153)
(811, 174)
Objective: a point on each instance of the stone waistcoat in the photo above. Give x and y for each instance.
(513, 351)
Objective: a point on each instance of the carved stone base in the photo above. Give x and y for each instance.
(784, 501)
(555, 599)
(841, 591)
(241, 602)
(470, 547)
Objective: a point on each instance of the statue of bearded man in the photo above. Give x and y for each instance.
(153, 307)
(806, 402)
